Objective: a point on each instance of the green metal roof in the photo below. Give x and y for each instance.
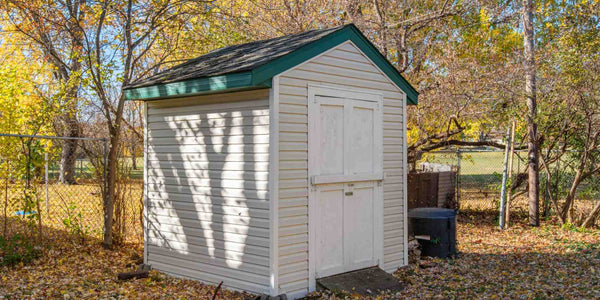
(253, 65)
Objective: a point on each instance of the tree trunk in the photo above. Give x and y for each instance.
(109, 197)
(530, 91)
(566, 212)
(68, 156)
(71, 124)
(552, 196)
(111, 174)
(133, 160)
(591, 218)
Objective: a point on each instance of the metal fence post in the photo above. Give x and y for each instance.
(510, 172)
(504, 179)
(458, 158)
(46, 181)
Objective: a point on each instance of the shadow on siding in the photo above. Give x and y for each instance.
(196, 232)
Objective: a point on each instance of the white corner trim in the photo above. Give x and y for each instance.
(145, 181)
(312, 164)
(405, 180)
(274, 185)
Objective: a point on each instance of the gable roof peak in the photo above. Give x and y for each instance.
(253, 64)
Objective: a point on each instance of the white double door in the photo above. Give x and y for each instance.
(346, 171)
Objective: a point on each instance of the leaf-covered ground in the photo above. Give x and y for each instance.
(70, 269)
(545, 263)
(548, 262)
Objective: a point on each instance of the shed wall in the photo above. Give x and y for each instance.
(207, 188)
(343, 66)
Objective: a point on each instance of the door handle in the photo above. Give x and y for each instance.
(349, 189)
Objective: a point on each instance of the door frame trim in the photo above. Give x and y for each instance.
(339, 92)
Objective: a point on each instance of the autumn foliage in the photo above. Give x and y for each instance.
(63, 64)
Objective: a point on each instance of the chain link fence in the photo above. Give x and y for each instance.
(54, 186)
(479, 180)
(479, 177)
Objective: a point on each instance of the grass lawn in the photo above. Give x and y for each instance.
(529, 263)
(481, 178)
(475, 163)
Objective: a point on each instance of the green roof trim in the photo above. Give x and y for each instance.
(260, 77)
(221, 83)
(349, 32)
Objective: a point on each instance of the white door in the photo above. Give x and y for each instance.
(345, 166)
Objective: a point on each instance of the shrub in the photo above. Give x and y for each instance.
(17, 249)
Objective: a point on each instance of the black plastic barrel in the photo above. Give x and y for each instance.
(435, 229)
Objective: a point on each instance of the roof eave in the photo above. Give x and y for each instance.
(198, 86)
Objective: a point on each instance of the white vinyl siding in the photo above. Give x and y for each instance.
(343, 66)
(207, 188)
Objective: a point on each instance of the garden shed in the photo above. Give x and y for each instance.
(274, 163)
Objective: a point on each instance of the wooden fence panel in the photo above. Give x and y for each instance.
(422, 190)
(432, 189)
